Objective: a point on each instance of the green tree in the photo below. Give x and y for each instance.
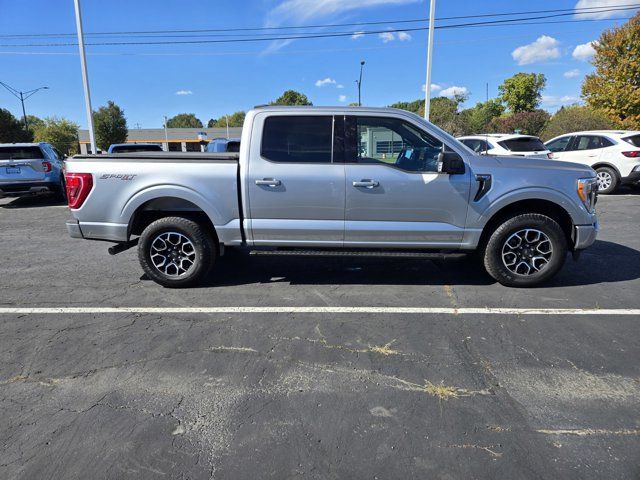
(523, 91)
(575, 118)
(614, 87)
(110, 125)
(479, 117)
(291, 97)
(59, 132)
(12, 129)
(443, 113)
(417, 106)
(33, 122)
(235, 120)
(184, 120)
(527, 123)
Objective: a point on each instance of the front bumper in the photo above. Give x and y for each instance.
(585, 235)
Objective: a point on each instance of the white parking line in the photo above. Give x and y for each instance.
(370, 310)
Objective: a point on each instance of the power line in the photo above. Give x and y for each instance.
(559, 12)
(506, 22)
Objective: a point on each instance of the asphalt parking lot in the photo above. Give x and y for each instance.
(310, 393)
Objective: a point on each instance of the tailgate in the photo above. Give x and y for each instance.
(21, 164)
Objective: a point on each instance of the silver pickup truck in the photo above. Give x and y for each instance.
(335, 181)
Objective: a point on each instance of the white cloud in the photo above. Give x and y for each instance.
(453, 91)
(339, 86)
(584, 52)
(434, 87)
(325, 81)
(571, 73)
(555, 101)
(544, 48)
(357, 35)
(404, 36)
(387, 37)
(184, 92)
(603, 4)
(342, 98)
(301, 11)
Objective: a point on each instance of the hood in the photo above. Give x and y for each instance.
(529, 163)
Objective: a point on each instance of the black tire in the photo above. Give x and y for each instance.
(496, 245)
(611, 174)
(202, 247)
(60, 191)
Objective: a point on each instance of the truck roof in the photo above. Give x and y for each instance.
(341, 108)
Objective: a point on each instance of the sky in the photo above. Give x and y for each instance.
(212, 79)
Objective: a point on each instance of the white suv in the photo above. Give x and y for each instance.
(613, 154)
(506, 144)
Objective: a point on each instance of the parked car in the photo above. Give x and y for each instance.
(134, 147)
(327, 181)
(220, 145)
(29, 168)
(613, 154)
(506, 145)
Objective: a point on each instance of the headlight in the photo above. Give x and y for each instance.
(587, 189)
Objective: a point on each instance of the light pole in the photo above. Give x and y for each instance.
(166, 135)
(85, 77)
(22, 96)
(359, 82)
(427, 86)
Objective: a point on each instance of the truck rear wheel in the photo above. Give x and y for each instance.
(525, 250)
(176, 252)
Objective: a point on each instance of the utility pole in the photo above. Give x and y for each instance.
(427, 87)
(22, 96)
(359, 82)
(166, 135)
(226, 117)
(85, 78)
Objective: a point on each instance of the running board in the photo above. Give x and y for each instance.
(355, 253)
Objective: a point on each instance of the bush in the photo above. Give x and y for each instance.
(575, 119)
(527, 123)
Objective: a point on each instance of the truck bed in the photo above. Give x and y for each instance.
(128, 184)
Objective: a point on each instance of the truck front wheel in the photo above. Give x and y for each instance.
(176, 252)
(525, 250)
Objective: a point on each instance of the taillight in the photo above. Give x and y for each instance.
(78, 187)
(46, 166)
(632, 154)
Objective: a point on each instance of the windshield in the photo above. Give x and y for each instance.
(523, 144)
(20, 153)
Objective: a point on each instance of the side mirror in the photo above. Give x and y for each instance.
(451, 163)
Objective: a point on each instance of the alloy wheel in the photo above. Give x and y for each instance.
(173, 254)
(527, 251)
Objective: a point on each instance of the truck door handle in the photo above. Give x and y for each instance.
(366, 183)
(269, 182)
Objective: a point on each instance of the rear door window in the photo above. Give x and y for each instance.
(524, 144)
(633, 140)
(590, 142)
(559, 145)
(20, 153)
(297, 139)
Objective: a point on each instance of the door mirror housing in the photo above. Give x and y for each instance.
(451, 163)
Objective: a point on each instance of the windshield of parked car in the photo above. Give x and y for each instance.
(20, 153)
(523, 144)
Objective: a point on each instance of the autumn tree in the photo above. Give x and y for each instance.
(523, 91)
(184, 120)
(526, 123)
(479, 116)
(291, 97)
(110, 125)
(614, 87)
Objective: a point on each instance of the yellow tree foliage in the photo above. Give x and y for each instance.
(614, 88)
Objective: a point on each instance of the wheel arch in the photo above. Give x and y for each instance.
(606, 164)
(531, 205)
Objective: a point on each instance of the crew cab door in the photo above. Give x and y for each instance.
(395, 196)
(295, 189)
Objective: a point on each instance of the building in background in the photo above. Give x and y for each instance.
(180, 139)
